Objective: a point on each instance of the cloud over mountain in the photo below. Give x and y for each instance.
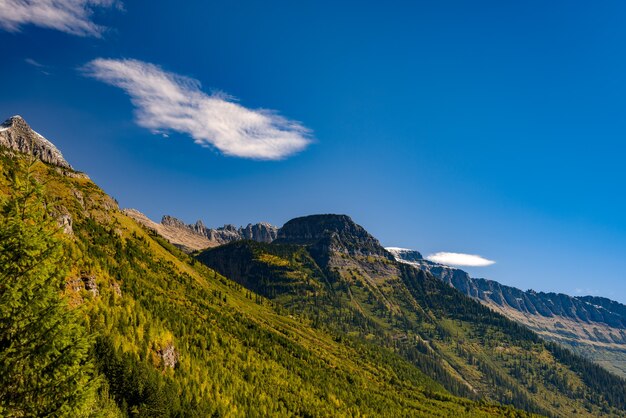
(460, 259)
(70, 16)
(165, 101)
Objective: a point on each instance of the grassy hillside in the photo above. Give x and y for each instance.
(471, 350)
(172, 337)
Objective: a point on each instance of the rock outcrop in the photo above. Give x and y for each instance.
(17, 135)
(84, 282)
(198, 237)
(65, 223)
(169, 355)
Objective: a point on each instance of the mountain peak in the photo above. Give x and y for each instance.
(330, 232)
(17, 135)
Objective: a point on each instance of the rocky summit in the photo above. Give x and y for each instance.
(17, 135)
(329, 232)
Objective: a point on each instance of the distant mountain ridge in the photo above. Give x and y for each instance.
(592, 326)
(260, 232)
(196, 236)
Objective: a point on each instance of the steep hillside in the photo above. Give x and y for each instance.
(174, 338)
(330, 270)
(591, 326)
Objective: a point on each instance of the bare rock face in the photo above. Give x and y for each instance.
(91, 285)
(65, 223)
(16, 135)
(331, 233)
(169, 355)
(116, 289)
(86, 282)
(261, 232)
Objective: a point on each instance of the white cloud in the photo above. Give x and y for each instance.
(166, 101)
(34, 63)
(70, 16)
(460, 259)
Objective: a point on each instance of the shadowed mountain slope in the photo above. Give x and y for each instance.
(330, 270)
(591, 326)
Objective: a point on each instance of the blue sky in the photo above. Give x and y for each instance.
(479, 127)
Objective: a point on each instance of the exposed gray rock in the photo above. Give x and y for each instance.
(116, 288)
(86, 282)
(16, 135)
(404, 254)
(331, 233)
(91, 285)
(65, 223)
(169, 355)
(261, 232)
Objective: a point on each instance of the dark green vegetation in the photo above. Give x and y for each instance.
(333, 273)
(154, 333)
(45, 368)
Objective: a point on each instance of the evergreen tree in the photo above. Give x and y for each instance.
(44, 353)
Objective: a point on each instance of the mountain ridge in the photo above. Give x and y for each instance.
(592, 326)
(194, 237)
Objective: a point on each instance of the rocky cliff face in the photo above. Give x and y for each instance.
(454, 277)
(331, 233)
(592, 326)
(584, 309)
(198, 237)
(260, 232)
(15, 134)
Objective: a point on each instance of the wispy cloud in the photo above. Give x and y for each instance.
(42, 68)
(166, 101)
(34, 63)
(460, 259)
(70, 16)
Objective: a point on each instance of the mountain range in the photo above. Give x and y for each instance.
(592, 326)
(312, 319)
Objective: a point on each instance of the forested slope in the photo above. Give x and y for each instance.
(170, 337)
(333, 272)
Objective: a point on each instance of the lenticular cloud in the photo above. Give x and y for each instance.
(166, 101)
(69, 16)
(460, 259)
